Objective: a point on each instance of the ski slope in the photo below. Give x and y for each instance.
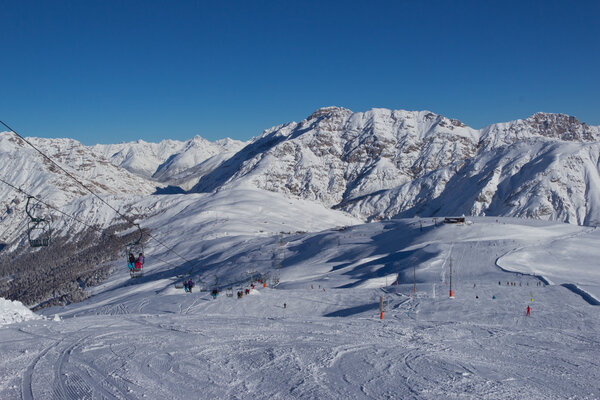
(318, 334)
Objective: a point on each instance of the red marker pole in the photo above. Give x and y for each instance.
(451, 278)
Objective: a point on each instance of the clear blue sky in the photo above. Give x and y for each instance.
(111, 71)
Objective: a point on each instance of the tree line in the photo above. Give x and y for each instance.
(59, 273)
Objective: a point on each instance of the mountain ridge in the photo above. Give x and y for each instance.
(380, 163)
(347, 160)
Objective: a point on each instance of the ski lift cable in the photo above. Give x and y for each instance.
(99, 230)
(92, 192)
(51, 206)
(68, 173)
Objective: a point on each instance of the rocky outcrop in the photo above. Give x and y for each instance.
(381, 163)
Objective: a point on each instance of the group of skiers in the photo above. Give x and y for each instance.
(135, 263)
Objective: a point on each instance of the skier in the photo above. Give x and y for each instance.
(131, 261)
(214, 293)
(284, 305)
(190, 285)
(528, 310)
(185, 286)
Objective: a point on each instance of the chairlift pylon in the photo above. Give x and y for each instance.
(38, 229)
(133, 250)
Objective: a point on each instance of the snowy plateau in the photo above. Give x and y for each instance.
(332, 228)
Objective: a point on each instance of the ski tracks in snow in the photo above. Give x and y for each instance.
(62, 370)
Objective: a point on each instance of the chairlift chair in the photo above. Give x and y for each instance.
(135, 248)
(38, 229)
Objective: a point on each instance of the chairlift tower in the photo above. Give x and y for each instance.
(278, 258)
(415, 275)
(251, 273)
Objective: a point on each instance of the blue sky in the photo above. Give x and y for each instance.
(112, 71)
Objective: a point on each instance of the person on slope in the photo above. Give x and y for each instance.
(131, 262)
(528, 310)
(190, 285)
(185, 285)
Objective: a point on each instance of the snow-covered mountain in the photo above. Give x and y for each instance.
(374, 165)
(140, 157)
(25, 168)
(381, 163)
(170, 161)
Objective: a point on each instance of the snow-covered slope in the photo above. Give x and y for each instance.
(318, 334)
(383, 163)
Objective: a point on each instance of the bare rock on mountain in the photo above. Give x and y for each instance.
(381, 163)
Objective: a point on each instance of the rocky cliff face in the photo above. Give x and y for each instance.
(382, 163)
(558, 127)
(336, 154)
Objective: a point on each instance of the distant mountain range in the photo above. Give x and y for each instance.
(374, 165)
(170, 161)
(383, 163)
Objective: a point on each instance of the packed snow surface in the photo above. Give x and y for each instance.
(318, 333)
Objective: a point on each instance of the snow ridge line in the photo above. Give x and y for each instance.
(584, 295)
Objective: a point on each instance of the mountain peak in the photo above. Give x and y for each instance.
(561, 126)
(327, 111)
(561, 118)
